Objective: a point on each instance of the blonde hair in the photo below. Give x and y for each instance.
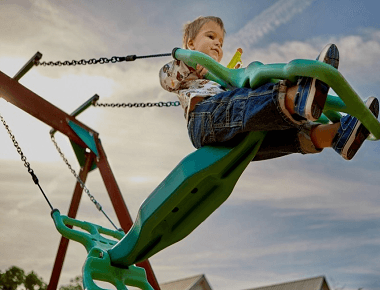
(191, 29)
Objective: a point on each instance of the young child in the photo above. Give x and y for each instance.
(287, 111)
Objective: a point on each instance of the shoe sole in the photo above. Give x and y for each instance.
(317, 104)
(360, 133)
(329, 55)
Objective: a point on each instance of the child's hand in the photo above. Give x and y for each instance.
(201, 71)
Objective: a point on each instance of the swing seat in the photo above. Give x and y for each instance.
(199, 184)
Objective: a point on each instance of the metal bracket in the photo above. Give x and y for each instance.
(86, 136)
(28, 66)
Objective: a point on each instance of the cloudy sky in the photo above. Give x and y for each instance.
(290, 218)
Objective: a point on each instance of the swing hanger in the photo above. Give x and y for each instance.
(101, 60)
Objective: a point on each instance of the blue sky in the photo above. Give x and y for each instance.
(290, 218)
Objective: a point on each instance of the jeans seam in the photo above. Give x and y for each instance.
(279, 100)
(212, 131)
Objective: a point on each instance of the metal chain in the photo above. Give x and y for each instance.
(23, 159)
(101, 60)
(86, 190)
(15, 143)
(138, 105)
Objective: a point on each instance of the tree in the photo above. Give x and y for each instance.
(75, 284)
(33, 282)
(14, 277)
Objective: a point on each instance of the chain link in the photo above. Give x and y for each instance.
(15, 143)
(101, 60)
(86, 190)
(138, 105)
(23, 159)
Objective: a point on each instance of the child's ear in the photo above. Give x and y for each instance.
(190, 44)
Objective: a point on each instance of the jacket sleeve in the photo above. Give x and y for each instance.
(174, 74)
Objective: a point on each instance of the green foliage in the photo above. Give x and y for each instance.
(15, 277)
(33, 282)
(75, 284)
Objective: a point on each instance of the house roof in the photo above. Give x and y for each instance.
(317, 283)
(183, 284)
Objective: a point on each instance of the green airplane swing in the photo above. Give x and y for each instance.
(202, 181)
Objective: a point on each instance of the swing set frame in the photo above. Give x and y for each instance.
(14, 92)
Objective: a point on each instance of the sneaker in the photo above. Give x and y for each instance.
(352, 133)
(312, 93)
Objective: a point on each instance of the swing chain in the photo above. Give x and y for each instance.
(23, 159)
(101, 60)
(86, 190)
(19, 151)
(138, 105)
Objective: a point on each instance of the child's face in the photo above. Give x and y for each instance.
(209, 40)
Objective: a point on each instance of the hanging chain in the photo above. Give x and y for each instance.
(101, 60)
(15, 143)
(23, 159)
(86, 190)
(138, 105)
(114, 59)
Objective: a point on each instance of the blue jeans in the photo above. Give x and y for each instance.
(223, 117)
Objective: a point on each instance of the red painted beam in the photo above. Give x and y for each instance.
(23, 98)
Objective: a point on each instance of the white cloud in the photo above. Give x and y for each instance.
(44, 26)
(335, 191)
(268, 20)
